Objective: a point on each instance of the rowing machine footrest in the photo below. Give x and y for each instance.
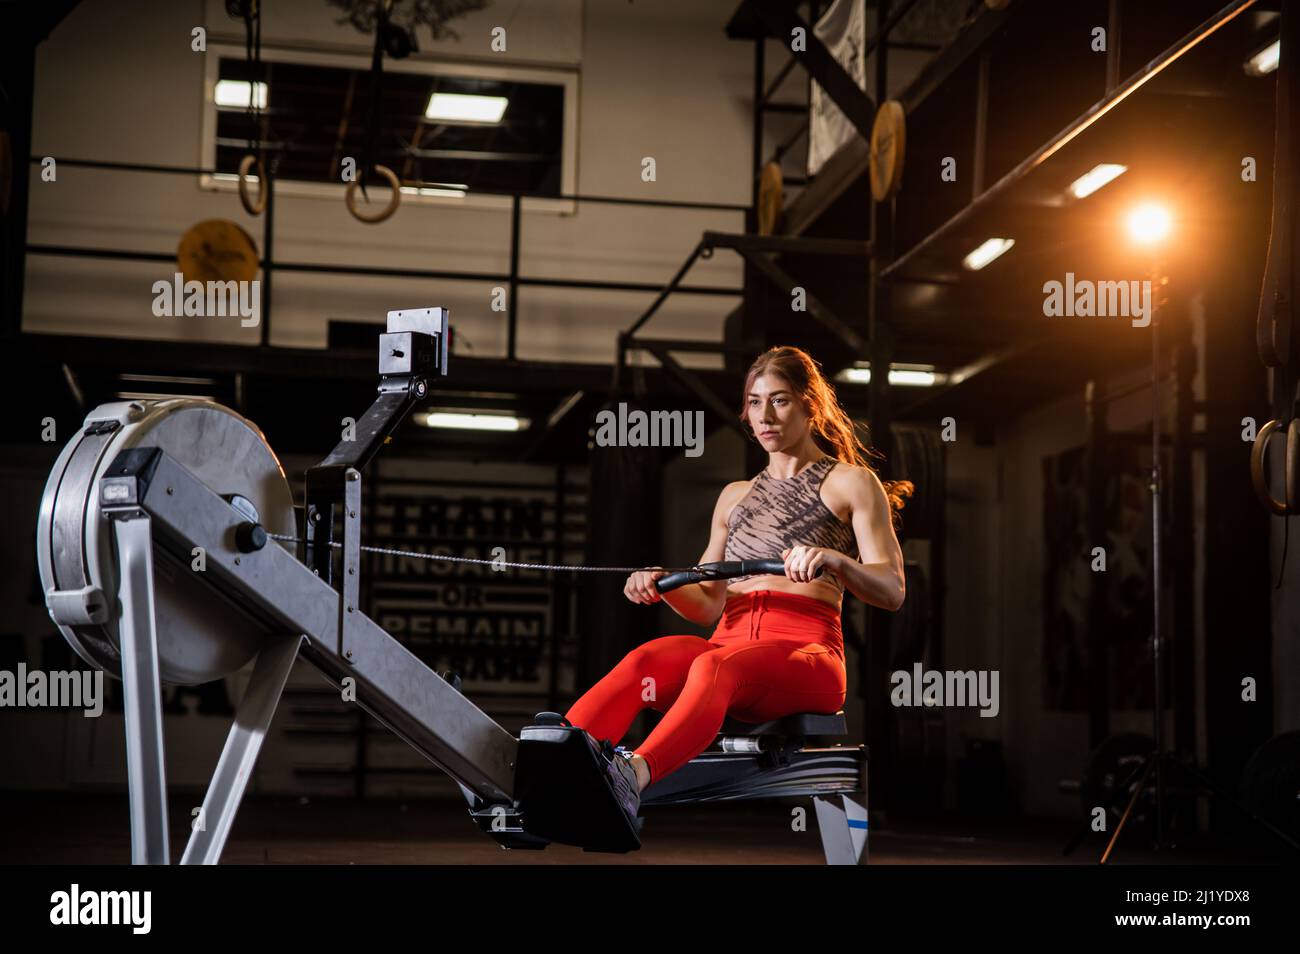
(640, 825)
(550, 718)
(563, 791)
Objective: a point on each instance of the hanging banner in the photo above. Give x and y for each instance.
(843, 29)
(497, 630)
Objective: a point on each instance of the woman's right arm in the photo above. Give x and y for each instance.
(699, 603)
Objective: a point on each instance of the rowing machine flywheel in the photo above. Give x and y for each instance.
(202, 635)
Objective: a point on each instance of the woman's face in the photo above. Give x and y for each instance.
(775, 414)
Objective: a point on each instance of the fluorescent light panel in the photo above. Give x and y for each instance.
(235, 93)
(987, 252)
(1265, 61)
(475, 422)
(1095, 178)
(904, 375)
(465, 108)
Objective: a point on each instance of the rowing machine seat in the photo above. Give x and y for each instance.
(800, 725)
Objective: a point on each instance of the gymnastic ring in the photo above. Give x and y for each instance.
(245, 164)
(1291, 468)
(1257, 476)
(393, 183)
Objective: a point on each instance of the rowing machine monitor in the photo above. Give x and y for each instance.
(413, 350)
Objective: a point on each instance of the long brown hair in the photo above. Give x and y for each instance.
(832, 428)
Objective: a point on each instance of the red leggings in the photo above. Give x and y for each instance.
(772, 654)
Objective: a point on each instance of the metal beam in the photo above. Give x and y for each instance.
(473, 155)
(83, 353)
(968, 42)
(977, 367)
(856, 343)
(777, 80)
(785, 146)
(850, 161)
(790, 245)
(780, 19)
(417, 183)
(565, 405)
(391, 683)
(681, 344)
(512, 316)
(699, 389)
(18, 80)
(756, 127)
(319, 269)
(667, 290)
(840, 172)
(884, 29)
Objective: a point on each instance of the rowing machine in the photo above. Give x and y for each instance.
(158, 553)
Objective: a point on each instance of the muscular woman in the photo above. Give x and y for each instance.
(777, 648)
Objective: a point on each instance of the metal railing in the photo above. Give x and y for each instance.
(512, 278)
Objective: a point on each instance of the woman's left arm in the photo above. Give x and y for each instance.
(876, 577)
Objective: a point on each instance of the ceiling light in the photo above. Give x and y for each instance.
(987, 253)
(235, 94)
(475, 422)
(1149, 223)
(905, 375)
(466, 108)
(1265, 61)
(1095, 178)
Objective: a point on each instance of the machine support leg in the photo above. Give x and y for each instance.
(146, 775)
(842, 823)
(252, 720)
(843, 826)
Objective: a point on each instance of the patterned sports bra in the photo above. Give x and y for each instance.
(780, 513)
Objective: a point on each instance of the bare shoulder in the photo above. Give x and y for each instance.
(733, 493)
(851, 476)
(855, 486)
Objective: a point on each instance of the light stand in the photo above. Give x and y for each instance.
(1159, 760)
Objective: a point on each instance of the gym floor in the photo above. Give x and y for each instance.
(92, 829)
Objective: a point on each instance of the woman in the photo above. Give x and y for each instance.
(778, 648)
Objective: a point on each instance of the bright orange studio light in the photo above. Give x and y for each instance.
(1149, 223)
